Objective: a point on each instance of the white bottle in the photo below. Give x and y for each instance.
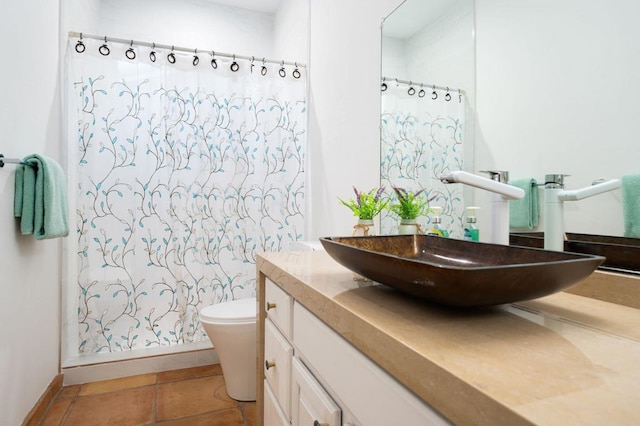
(471, 232)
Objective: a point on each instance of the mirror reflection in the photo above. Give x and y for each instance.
(556, 94)
(558, 84)
(427, 94)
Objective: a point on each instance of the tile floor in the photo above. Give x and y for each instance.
(192, 396)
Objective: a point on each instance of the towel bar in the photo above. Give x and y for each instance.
(4, 160)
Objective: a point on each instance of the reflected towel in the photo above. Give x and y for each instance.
(631, 205)
(525, 213)
(40, 199)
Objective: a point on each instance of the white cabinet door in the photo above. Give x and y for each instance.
(279, 307)
(273, 415)
(311, 404)
(277, 367)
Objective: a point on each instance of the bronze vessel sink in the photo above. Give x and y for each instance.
(460, 273)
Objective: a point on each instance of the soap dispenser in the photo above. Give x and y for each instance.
(471, 232)
(436, 228)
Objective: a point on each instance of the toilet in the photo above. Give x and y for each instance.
(231, 327)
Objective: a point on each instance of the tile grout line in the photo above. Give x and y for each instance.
(154, 414)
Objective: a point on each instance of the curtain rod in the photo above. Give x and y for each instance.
(107, 39)
(422, 85)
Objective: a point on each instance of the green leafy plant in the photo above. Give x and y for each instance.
(366, 205)
(409, 205)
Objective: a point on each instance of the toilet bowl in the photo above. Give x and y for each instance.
(231, 327)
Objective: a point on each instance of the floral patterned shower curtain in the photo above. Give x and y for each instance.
(181, 174)
(421, 138)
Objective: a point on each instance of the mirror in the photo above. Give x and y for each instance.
(428, 92)
(557, 88)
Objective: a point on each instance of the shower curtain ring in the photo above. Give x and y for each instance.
(80, 47)
(459, 95)
(234, 65)
(421, 93)
(296, 72)
(104, 49)
(411, 90)
(196, 60)
(434, 94)
(447, 96)
(171, 57)
(130, 53)
(214, 62)
(282, 72)
(152, 54)
(263, 70)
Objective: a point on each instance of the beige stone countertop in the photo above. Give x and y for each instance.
(563, 359)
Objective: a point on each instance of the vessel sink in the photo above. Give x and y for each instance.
(460, 273)
(622, 254)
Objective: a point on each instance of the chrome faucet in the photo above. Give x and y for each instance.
(502, 193)
(554, 197)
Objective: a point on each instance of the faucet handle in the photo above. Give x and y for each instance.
(497, 175)
(554, 180)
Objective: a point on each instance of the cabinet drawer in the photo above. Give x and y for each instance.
(279, 307)
(277, 368)
(310, 403)
(273, 415)
(372, 395)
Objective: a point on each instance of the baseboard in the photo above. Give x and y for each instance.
(39, 409)
(131, 367)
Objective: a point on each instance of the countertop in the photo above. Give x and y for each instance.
(563, 359)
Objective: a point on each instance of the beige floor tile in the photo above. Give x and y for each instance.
(250, 413)
(192, 397)
(118, 384)
(68, 392)
(121, 408)
(56, 413)
(229, 417)
(189, 373)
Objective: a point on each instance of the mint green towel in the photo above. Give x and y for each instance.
(40, 199)
(525, 213)
(631, 205)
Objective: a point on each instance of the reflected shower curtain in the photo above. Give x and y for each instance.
(181, 174)
(421, 138)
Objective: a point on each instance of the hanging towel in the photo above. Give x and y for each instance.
(40, 199)
(524, 213)
(631, 205)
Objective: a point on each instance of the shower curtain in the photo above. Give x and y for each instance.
(181, 174)
(422, 136)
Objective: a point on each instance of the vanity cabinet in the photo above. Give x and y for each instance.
(312, 376)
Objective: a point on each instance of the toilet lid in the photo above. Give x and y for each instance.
(243, 310)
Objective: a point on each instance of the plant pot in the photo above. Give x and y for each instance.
(408, 227)
(364, 228)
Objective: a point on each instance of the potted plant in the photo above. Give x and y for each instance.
(409, 206)
(365, 207)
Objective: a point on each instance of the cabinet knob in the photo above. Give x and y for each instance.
(270, 305)
(268, 364)
(317, 423)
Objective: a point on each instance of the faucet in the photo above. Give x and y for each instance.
(502, 193)
(554, 197)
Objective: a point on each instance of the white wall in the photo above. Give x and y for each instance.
(344, 108)
(558, 87)
(199, 24)
(30, 283)
(290, 31)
